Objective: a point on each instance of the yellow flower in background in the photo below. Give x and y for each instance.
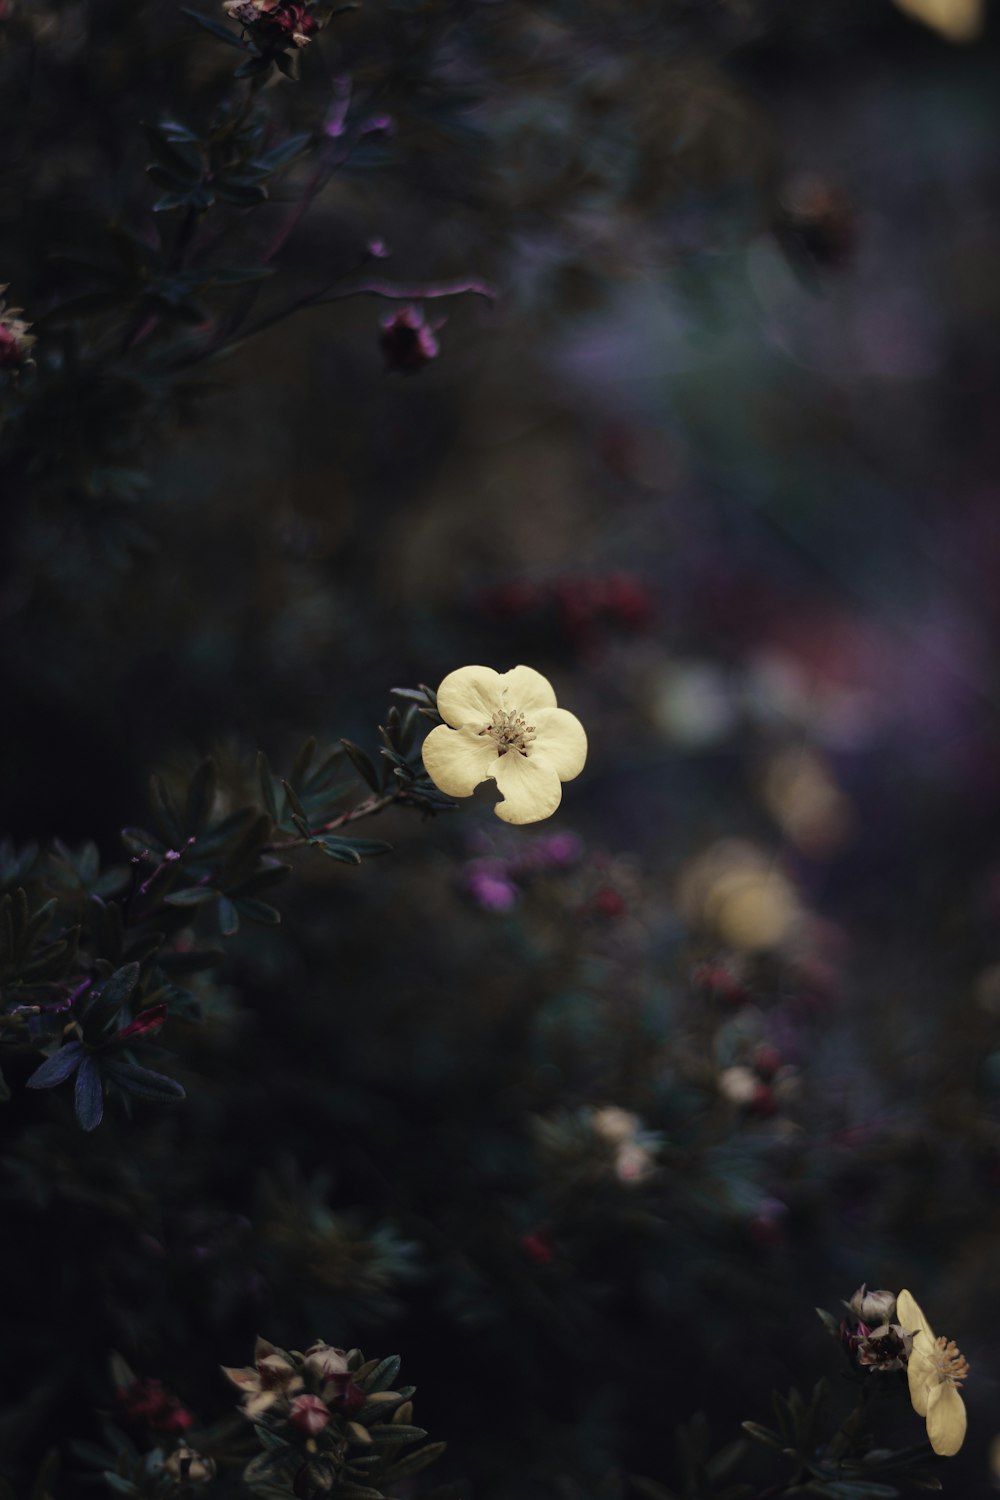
(935, 1369)
(504, 727)
(957, 20)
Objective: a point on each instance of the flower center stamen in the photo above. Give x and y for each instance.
(510, 731)
(951, 1363)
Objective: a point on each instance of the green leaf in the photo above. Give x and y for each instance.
(830, 1323)
(396, 1432)
(179, 157)
(383, 1377)
(362, 763)
(119, 989)
(337, 849)
(256, 911)
(229, 917)
(138, 842)
(57, 1068)
(88, 1098)
(762, 1434)
(414, 1462)
(191, 895)
(364, 847)
(294, 802)
(201, 794)
(218, 30)
(286, 151)
(165, 810)
(267, 787)
(258, 63)
(303, 761)
(131, 1078)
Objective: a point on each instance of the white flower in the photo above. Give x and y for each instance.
(504, 727)
(934, 1370)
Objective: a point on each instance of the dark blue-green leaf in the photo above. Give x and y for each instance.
(229, 917)
(57, 1068)
(218, 30)
(143, 1082)
(88, 1099)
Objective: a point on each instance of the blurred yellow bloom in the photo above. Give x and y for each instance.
(957, 20)
(504, 727)
(935, 1369)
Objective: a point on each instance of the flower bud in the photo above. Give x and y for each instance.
(188, 1467)
(873, 1308)
(145, 1023)
(344, 1394)
(309, 1414)
(324, 1361)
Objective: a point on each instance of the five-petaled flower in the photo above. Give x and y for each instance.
(504, 727)
(934, 1370)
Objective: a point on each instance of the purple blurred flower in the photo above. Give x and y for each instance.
(489, 885)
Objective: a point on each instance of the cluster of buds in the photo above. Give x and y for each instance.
(15, 340)
(871, 1336)
(326, 1412)
(407, 341)
(633, 1159)
(274, 23)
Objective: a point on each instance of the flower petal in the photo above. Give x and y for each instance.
(921, 1371)
(526, 690)
(946, 1419)
(561, 741)
(469, 695)
(909, 1315)
(457, 760)
(531, 788)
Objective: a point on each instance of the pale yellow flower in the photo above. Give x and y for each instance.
(957, 20)
(504, 727)
(935, 1369)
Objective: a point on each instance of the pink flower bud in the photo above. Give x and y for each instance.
(146, 1022)
(309, 1414)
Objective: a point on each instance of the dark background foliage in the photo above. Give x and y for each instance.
(719, 459)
